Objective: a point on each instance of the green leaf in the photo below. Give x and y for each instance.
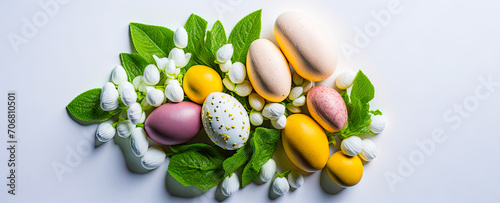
(376, 112)
(362, 88)
(239, 158)
(216, 38)
(134, 64)
(196, 28)
(151, 39)
(86, 107)
(198, 165)
(243, 34)
(263, 142)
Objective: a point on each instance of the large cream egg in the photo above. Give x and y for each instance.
(225, 120)
(308, 48)
(268, 70)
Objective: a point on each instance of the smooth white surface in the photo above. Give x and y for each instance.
(427, 60)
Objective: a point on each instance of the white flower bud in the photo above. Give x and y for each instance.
(295, 93)
(145, 105)
(280, 186)
(109, 97)
(171, 69)
(297, 79)
(224, 53)
(171, 81)
(243, 89)
(307, 85)
(228, 84)
(151, 75)
(174, 92)
(293, 109)
(129, 97)
(143, 117)
(369, 151)
(230, 185)
(299, 101)
(105, 131)
(118, 75)
(256, 118)
(224, 67)
(280, 123)
(378, 124)
(256, 101)
(273, 111)
(144, 87)
(134, 113)
(153, 158)
(139, 142)
(237, 73)
(180, 38)
(125, 85)
(179, 57)
(138, 81)
(155, 97)
(295, 179)
(345, 79)
(161, 63)
(124, 128)
(351, 146)
(267, 171)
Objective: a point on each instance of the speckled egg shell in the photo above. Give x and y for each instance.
(225, 120)
(327, 107)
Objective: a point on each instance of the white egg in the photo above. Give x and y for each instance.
(225, 120)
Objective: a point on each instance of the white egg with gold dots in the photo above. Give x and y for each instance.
(225, 120)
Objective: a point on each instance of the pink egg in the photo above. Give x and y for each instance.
(327, 107)
(174, 123)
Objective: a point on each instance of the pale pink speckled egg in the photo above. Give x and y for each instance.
(327, 107)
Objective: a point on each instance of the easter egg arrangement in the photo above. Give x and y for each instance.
(240, 92)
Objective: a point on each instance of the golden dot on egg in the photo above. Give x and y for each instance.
(215, 110)
(213, 97)
(242, 127)
(223, 96)
(230, 114)
(232, 126)
(241, 113)
(232, 118)
(234, 104)
(225, 110)
(212, 103)
(234, 144)
(224, 148)
(243, 122)
(215, 142)
(227, 128)
(243, 138)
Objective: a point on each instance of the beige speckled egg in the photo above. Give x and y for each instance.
(225, 120)
(308, 48)
(268, 71)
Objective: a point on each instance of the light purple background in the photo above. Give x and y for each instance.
(426, 60)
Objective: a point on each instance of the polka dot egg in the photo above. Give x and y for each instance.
(225, 120)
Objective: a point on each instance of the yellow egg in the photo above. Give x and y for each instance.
(305, 143)
(200, 81)
(344, 170)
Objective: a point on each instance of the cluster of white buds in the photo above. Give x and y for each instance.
(236, 72)
(297, 94)
(353, 146)
(230, 185)
(276, 113)
(257, 103)
(282, 185)
(345, 79)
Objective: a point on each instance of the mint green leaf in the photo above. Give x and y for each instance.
(263, 142)
(243, 34)
(239, 158)
(86, 107)
(198, 165)
(376, 112)
(151, 39)
(196, 28)
(134, 64)
(362, 88)
(216, 38)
